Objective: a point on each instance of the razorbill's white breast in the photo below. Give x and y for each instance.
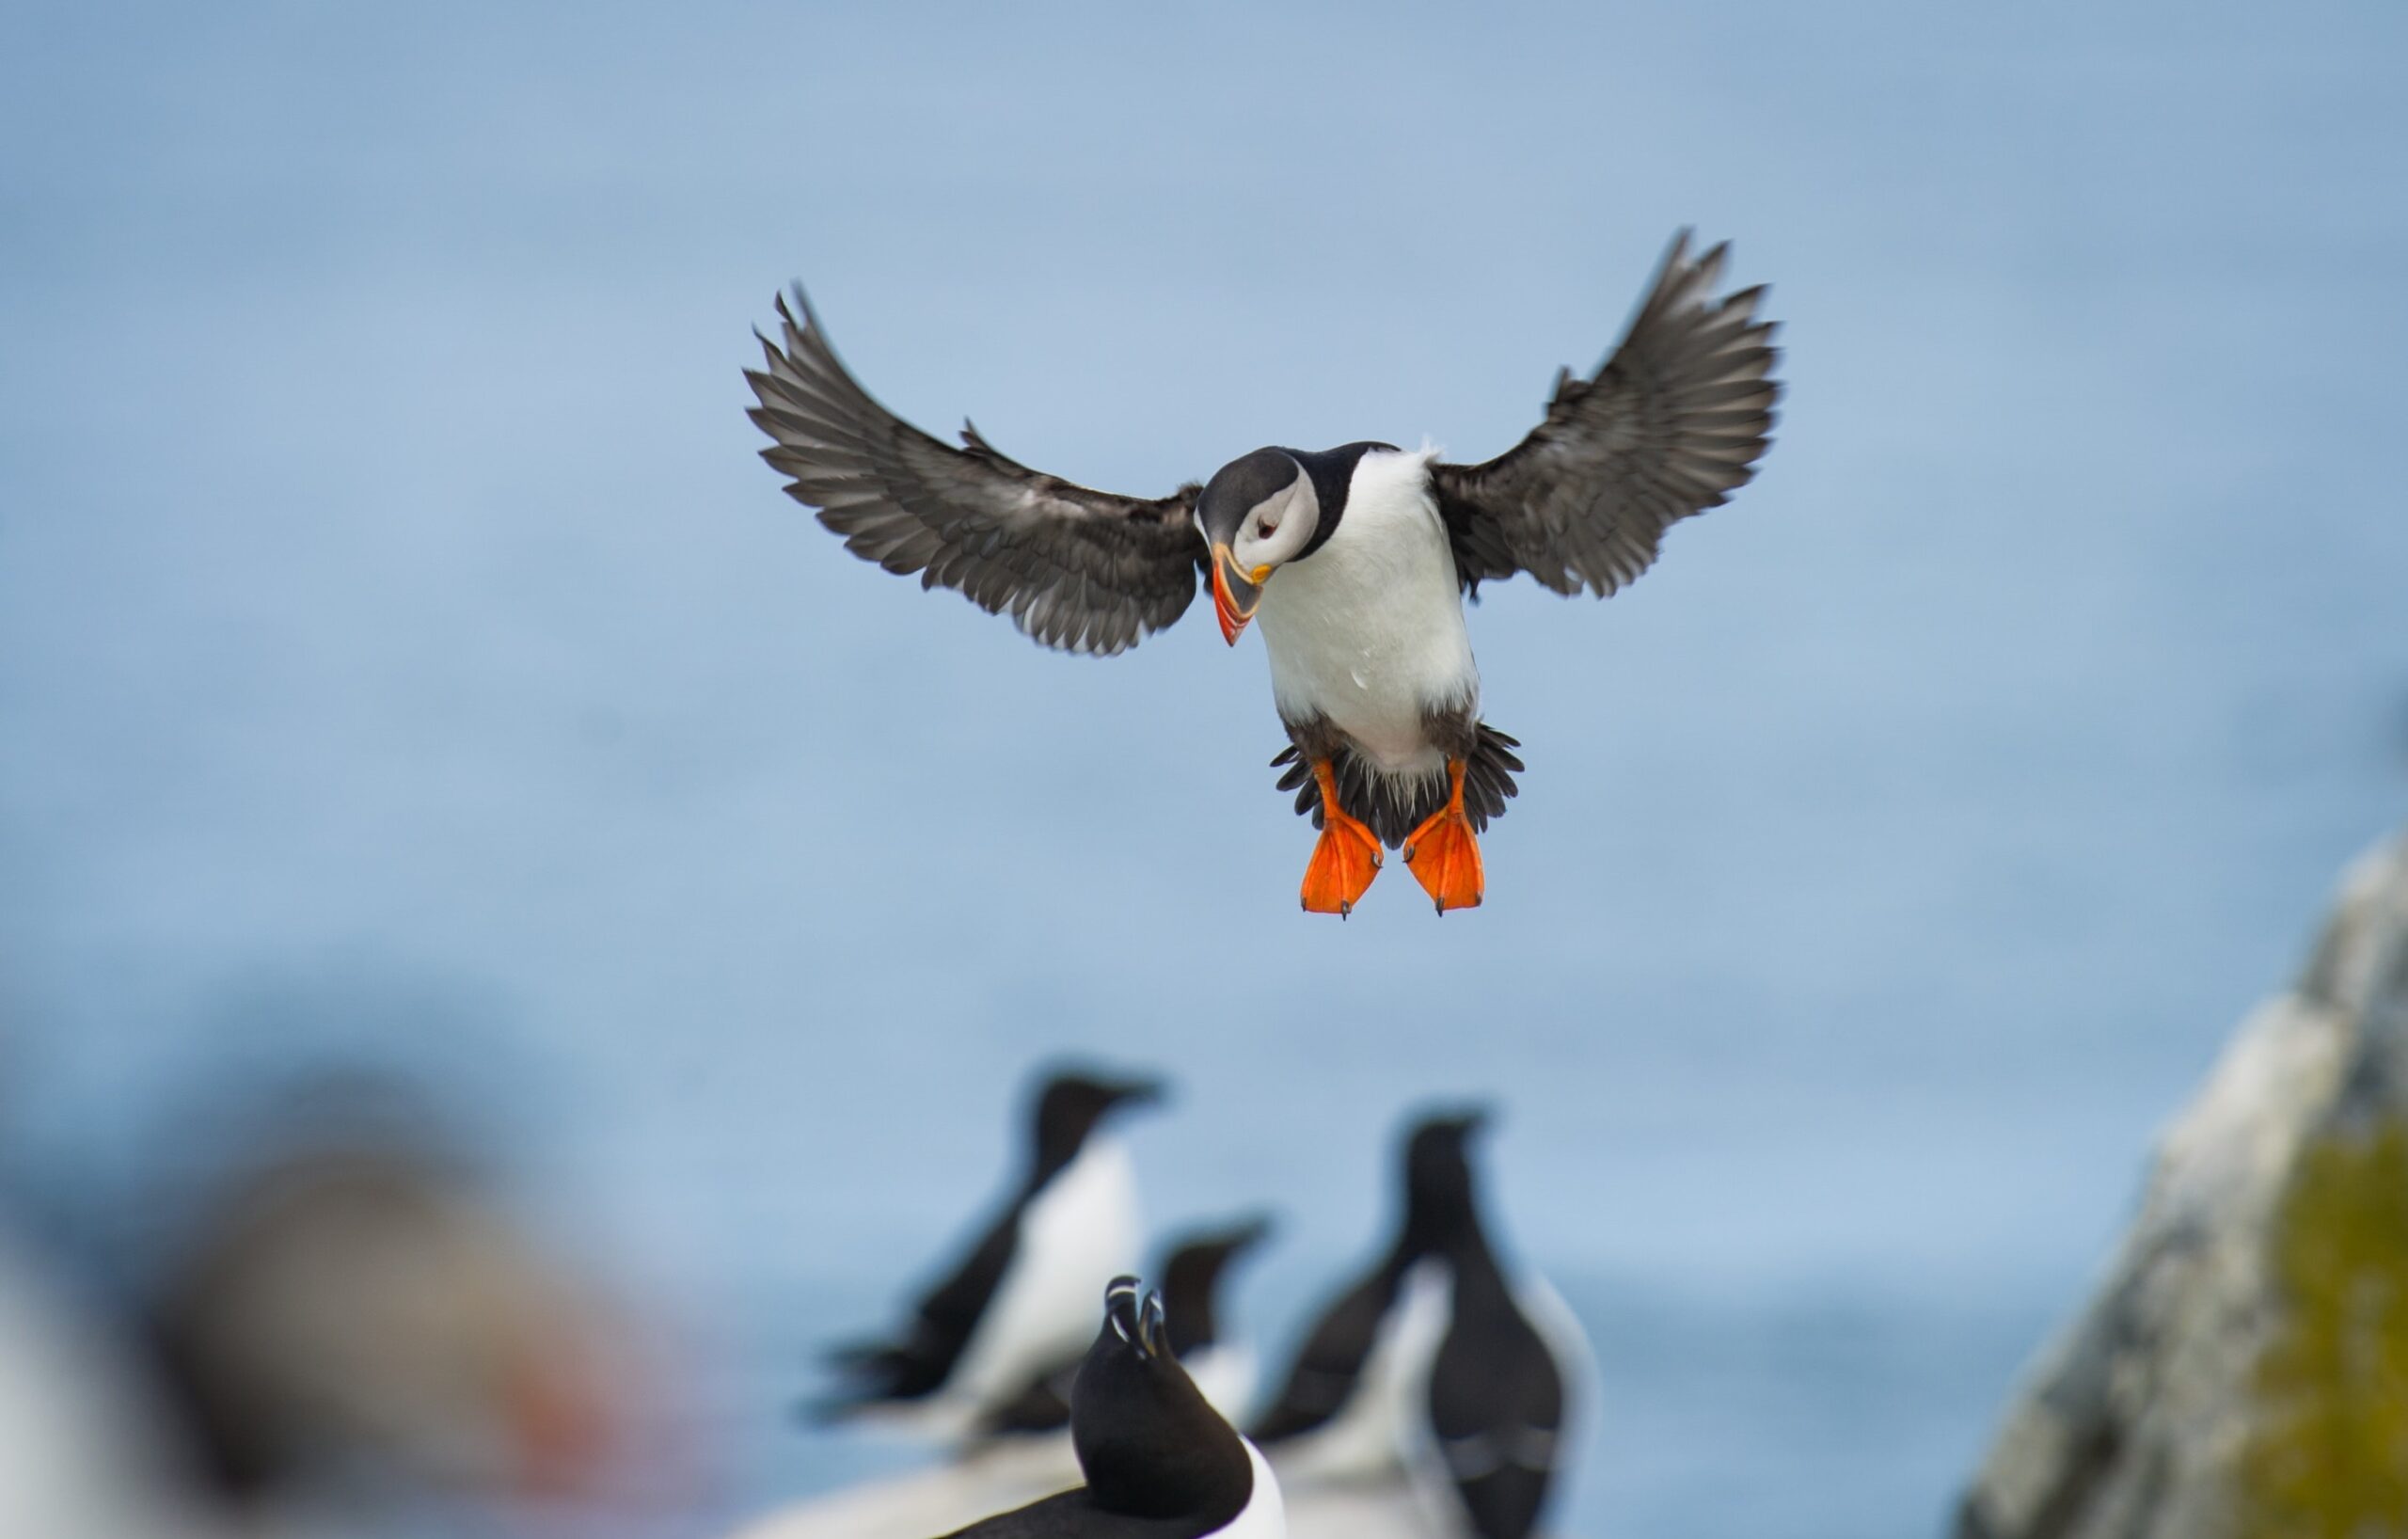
(1023, 1297)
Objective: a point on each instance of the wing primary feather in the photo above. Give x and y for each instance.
(1675, 419)
(1074, 568)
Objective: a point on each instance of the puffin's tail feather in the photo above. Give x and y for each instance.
(1395, 806)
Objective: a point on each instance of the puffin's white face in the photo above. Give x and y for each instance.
(1275, 528)
(1254, 513)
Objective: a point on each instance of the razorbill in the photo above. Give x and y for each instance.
(1160, 1463)
(1355, 559)
(1431, 1365)
(1023, 1297)
(1484, 1444)
(1223, 1367)
(1343, 1410)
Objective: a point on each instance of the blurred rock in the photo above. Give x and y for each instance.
(362, 1307)
(349, 1335)
(2243, 1370)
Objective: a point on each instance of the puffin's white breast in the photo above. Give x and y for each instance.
(1368, 629)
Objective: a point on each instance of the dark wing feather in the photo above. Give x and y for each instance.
(1672, 422)
(1074, 1515)
(1042, 1406)
(1082, 570)
(1330, 1363)
(942, 1322)
(1068, 1515)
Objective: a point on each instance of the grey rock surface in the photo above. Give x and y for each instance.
(2133, 1423)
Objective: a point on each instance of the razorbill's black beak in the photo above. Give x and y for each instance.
(1236, 593)
(1470, 1119)
(1153, 1331)
(1246, 1235)
(1124, 1309)
(1139, 1092)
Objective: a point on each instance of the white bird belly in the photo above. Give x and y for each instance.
(1264, 1514)
(1079, 1233)
(1368, 629)
(1225, 1375)
(1372, 1434)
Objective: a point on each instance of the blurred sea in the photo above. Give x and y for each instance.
(403, 655)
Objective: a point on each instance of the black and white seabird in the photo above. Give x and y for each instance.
(1222, 1365)
(1435, 1364)
(1356, 559)
(1160, 1463)
(1025, 1295)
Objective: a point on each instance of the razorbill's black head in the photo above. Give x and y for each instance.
(1160, 1463)
(1438, 1196)
(1069, 1109)
(1192, 1281)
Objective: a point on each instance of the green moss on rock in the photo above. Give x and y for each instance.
(2327, 1456)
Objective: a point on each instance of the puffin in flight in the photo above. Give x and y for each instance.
(1355, 559)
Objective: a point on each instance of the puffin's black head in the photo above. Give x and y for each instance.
(1148, 1442)
(1192, 1280)
(1438, 1196)
(1070, 1105)
(1256, 513)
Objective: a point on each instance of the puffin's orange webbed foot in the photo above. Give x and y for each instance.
(1444, 853)
(1345, 859)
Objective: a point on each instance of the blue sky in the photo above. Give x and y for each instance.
(401, 649)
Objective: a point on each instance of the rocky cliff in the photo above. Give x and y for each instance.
(2242, 1370)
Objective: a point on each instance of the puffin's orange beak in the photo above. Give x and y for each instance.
(1236, 593)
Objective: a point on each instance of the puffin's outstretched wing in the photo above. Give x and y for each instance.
(1672, 423)
(1082, 570)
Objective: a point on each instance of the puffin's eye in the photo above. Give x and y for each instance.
(1267, 528)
